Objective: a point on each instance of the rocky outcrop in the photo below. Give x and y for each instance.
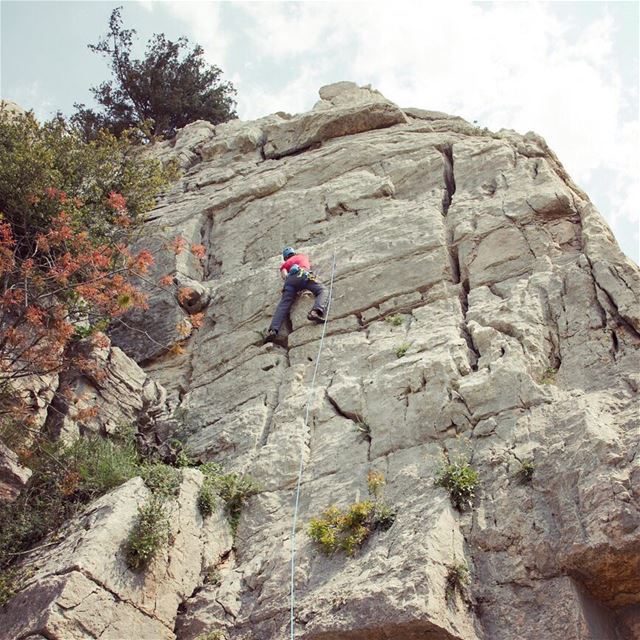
(10, 109)
(344, 109)
(119, 394)
(79, 585)
(481, 309)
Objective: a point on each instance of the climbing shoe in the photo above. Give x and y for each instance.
(272, 336)
(315, 315)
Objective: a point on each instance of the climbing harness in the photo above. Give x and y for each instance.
(306, 421)
(309, 275)
(299, 272)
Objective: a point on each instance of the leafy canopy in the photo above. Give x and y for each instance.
(170, 87)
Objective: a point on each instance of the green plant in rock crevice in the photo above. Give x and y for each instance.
(549, 376)
(233, 488)
(395, 320)
(347, 530)
(207, 498)
(151, 530)
(457, 580)
(460, 480)
(363, 427)
(162, 480)
(527, 467)
(402, 350)
(526, 470)
(375, 483)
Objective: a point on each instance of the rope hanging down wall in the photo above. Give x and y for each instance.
(306, 422)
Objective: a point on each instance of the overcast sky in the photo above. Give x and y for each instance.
(567, 70)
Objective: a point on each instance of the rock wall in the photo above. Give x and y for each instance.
(481, 308)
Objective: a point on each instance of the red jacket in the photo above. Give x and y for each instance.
(300, 259)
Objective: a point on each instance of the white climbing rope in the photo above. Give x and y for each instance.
(306, 421)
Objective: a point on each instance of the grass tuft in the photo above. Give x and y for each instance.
(402, 350)
(234, 489)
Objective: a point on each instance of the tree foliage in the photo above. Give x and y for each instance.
(68, 212)
(170, 87)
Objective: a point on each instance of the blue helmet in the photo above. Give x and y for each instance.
(287, 252)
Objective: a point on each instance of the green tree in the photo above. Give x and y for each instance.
(170, 87)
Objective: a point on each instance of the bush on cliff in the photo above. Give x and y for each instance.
(150, 533)
(456, 581)
(63, 480)
(348, 529)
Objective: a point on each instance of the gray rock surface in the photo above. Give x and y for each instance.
(481, 308)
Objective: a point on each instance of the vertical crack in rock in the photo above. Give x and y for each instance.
(552, 319)
(601, 292)
(454, 260)
(272, 403)
(212, 266)
(452, 249)
(449, 179)
(615, 346)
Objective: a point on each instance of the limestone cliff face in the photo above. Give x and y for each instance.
(519, 318)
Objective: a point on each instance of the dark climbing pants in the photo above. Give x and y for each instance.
(293, 285)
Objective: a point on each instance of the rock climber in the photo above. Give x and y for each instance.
(297, 274)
